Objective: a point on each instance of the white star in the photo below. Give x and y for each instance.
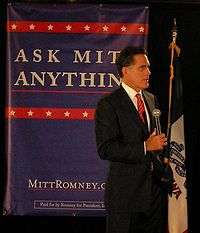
(32, 27)
(30, 113)
(68, 27)
(48, 113)
(85, 114)
(50, 27)
(105, 28)
(14, 26)
(123, 28)
(87, 28)
(67, 114)
(141, 29)
(12, 113)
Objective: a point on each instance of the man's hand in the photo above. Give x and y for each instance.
(156, 142)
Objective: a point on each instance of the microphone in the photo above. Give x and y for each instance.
(156, 114)
(174, 31)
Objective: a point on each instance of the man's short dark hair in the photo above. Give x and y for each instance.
(126, 57)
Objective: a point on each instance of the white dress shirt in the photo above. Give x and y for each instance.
(132, 95)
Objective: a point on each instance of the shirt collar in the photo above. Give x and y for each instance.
(130, 91)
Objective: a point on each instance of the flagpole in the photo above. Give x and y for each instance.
(172, 47)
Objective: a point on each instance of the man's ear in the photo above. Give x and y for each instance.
(124, 71)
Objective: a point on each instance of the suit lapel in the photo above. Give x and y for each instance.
(150, 107)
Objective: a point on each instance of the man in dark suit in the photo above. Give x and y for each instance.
(125, 135)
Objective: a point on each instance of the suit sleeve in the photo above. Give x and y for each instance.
(110, 143)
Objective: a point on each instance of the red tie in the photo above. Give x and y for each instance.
(140, 107)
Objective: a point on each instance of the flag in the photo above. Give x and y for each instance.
(177, 203)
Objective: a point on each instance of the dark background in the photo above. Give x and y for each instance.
(162, 13)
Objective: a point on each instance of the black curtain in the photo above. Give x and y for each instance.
(162, 13)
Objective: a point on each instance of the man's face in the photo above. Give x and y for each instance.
(137, 74)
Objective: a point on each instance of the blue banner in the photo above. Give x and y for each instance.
(60, 61)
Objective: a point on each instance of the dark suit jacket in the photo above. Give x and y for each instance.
(120, 137)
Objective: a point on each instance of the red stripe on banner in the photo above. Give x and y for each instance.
(50, 113)
(78, 27)
(60, 92)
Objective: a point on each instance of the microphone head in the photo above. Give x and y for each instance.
(156, 112)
